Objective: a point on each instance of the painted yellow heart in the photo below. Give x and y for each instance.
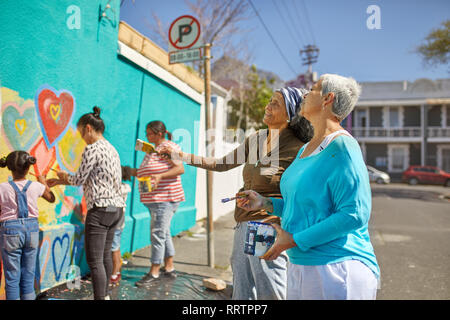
(55, 110)
(21, 125)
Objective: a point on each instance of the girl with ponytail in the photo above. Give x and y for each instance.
(19, 226)
(100, 174)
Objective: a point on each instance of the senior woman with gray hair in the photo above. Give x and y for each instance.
(326, 204)
(253, 278)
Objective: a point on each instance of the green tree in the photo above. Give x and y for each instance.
(255, 96)
(436, 48)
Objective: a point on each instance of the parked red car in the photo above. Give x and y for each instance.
(426, 175)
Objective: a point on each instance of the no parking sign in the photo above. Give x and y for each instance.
(184, 40)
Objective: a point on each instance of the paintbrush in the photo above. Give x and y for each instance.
(233, 198)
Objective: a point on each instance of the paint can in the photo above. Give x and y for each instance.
(259, 238)
(145, 184)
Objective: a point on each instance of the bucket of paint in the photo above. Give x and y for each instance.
(145, 184)
(259, 238)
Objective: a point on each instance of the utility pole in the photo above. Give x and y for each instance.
(209, 173)
(309, 55)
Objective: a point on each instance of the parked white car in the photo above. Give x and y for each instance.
(378, 176)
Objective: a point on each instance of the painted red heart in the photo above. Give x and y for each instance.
(45, 158)
(55, 110)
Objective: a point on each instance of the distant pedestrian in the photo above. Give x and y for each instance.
(115, 248)
(326, 204)
(100, 175)
(254, 278)
(162, 200)
(19, 226)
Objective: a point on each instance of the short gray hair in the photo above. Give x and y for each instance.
(346, 93)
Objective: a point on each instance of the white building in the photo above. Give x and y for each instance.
(225, 184)
(403, 123)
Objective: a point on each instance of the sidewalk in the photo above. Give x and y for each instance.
(191, 260)
(191, 263)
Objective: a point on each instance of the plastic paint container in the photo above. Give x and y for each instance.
(145, 184)
(259, 238)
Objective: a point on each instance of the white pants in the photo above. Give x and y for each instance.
(347, 280)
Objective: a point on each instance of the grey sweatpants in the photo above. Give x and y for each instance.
(255, 278)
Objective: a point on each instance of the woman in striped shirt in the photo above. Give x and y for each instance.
(162, 201)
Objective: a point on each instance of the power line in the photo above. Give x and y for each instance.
(309, 22)
(272, 38)
(291, 20)
(300, 21)
(287, 27)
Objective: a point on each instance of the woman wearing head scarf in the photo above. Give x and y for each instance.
(326, 204)
(254, 278)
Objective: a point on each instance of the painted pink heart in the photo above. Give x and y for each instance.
(44, 158)
(55, 110)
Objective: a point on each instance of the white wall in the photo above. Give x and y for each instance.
(225, 184)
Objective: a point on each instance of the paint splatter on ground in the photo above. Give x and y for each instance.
(184, 287)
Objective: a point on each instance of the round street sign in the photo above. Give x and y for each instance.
(184, 32)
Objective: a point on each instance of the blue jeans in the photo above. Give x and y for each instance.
(19, 242)
(161, 240)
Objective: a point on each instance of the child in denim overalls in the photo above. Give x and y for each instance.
(19, 226)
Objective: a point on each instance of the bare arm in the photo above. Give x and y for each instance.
(48, 194)
(232, 160)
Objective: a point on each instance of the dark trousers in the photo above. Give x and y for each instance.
(99, 233)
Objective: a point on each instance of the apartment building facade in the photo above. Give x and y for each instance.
(403, 123)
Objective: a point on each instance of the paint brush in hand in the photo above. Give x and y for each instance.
(233, 198)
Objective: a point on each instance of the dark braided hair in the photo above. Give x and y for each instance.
(18, 162)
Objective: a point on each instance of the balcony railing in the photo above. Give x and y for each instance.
(380, 132)
(408, 132)
(436, 132)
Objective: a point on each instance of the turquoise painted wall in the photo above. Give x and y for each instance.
(38, 47)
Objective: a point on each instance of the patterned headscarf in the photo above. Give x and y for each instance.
(293, 97)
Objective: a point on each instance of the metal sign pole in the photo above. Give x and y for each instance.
(209, 173)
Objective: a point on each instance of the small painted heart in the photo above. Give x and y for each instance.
(60, 250)
(70, 149)
(20, 125)
(44, 158)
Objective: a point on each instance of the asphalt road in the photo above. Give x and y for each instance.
(410, 232)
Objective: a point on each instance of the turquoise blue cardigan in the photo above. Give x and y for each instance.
(326, 205)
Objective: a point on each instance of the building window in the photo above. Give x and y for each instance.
(394, 117)
(443, 157)
(361, 118)
(381, 162)
(447, 109)
(398, 157)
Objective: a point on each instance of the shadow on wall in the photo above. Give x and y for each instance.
(43, 127)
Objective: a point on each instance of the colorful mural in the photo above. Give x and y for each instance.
(44, 128)
(66, 69)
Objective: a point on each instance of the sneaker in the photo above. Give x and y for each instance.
(170, 274)
(146, 280)
(115, 279)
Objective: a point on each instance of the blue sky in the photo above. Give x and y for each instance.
(339, 29)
